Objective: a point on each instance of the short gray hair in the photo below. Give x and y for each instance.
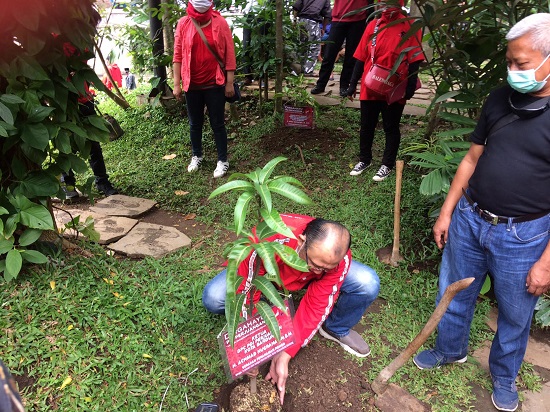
(536, 25)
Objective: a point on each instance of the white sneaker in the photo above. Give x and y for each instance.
(194, 165)
(221, 169)
(382, 173)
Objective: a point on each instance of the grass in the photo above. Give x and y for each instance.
(101, 333)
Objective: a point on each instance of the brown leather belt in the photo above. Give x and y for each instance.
(495, 219)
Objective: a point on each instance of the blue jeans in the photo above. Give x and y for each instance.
(214, 100)
(507, 251)
(359, 290)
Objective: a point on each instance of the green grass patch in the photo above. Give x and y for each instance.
(126, 332)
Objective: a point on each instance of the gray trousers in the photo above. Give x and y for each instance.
(310, 33)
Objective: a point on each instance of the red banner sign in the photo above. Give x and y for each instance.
(254, 343)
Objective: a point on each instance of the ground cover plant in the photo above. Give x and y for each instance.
(90, 331)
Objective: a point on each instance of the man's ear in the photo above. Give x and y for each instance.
(301, 240)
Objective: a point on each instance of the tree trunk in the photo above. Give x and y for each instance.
(279, 50)
(118, 98)
(168, 32)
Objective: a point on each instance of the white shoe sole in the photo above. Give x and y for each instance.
(463, 360)
(502, 409)
(343, 345)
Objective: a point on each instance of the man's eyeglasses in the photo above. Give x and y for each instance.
(311, 264)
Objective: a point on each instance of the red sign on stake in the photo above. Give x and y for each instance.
(254, 344)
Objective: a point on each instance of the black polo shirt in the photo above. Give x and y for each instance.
(512, 176)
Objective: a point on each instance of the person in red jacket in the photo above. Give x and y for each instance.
(338, 289)
(382, 44)
(198, 73)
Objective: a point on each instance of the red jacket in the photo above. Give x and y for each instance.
(322, 290)
(186, 34)
(387, 49)
(342, 7)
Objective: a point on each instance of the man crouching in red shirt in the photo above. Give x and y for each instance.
(338, 289)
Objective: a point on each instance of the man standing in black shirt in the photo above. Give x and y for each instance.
(496, 217)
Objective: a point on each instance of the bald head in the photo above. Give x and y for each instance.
(330, 237)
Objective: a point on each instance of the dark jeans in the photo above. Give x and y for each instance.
(391, 117)
(351, 32)
(97, 162)
(214, 100)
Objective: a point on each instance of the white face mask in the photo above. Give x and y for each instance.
(201, 6)
(524, 81)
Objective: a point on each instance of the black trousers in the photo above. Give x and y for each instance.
(97, 162)
(351, 32)
(391, 118)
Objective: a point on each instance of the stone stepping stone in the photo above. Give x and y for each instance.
(121, 205)
(110, 228)
(147, 239)
(414, 110)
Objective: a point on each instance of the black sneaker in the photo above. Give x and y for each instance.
(382, 173)
(70, 192)
(358, 168)
(106, 188)
(343, 92)
(317, 90)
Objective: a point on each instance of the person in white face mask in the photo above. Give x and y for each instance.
(496, 217)
(204, 67)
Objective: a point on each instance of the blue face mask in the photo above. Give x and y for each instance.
(524, 81)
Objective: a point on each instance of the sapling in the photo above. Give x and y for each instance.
(257, 190)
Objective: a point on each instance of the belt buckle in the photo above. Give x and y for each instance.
(494, 218)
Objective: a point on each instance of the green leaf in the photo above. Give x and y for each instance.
(14, 262)
(446, 96)
(486, 286)
(35, 135)
(288, 179)
(79, 131)
(239, 253)
(265, 195)
(241, 209)
(274, 221)
(34, 256)
(433, 183)
(290, 192)
(5, 245)
(233, 185)
(5, 114)
(263, 231)
(63, 142)
(98, 122)
(290, 257)
(267, 170)
(269, 318)
(39, 113)
(3, 211)
(31, 69)
(233, 307)
(269, 291)
(3, 131)
(457, 118)
(11, 225)
(39, 184)
(29, 236)
(11, 99)
(266, 252)
(37, 217)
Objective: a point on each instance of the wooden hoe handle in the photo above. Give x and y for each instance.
(380, 383)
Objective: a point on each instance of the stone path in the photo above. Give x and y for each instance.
(116, 218)
(538, 354)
